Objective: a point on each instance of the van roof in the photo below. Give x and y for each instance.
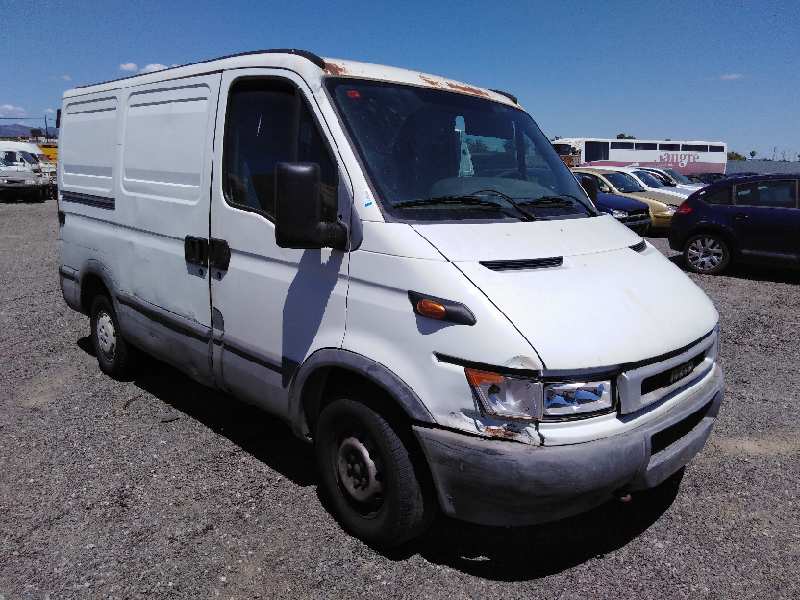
(307, 64)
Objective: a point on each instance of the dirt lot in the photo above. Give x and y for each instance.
(159, 488)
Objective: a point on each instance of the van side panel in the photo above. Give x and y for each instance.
(163, 179)
(89, 144)
(135, 176)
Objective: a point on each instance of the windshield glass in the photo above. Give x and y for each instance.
(438, 155)
(624, 182)
(679, 177)
(29, 158)
(649, 179)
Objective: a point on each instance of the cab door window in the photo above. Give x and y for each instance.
(267, 122)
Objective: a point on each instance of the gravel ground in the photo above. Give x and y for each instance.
(160, 488)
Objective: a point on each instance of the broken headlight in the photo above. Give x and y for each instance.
(577, 398)
(504, 396)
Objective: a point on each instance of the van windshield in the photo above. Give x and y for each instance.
(438, 155)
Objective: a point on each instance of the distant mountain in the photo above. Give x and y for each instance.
(17, 130)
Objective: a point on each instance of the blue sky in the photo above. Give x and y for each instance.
(702, 70)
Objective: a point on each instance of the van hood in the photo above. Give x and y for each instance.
(604, 305)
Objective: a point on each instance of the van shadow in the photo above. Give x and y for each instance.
(495, 553)
(527, 553)
(266, 438)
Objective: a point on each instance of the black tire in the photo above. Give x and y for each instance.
(706, 253)
(115, 356)
(401, 509)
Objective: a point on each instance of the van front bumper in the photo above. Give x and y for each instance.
(496, 482)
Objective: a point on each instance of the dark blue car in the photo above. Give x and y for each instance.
(753, 219)
(627, 211)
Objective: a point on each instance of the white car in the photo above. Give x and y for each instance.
(400, 267)
(672, 179)
(35, 157)
(18, 181)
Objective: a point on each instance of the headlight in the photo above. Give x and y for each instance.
(504, 396)
(3, 180)
(619, 214)
(576, 398)
(509, 397)
(669, 210)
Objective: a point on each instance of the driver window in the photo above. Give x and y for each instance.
(269, 122)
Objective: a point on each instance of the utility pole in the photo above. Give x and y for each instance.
(46, 130)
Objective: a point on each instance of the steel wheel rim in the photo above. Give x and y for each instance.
(359, 477)
(106, 334)
(705, 253)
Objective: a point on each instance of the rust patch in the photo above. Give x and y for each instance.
(431, 81)
(334, 69)
(467, 89)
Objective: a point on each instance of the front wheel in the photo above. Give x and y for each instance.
(707, 253)
(368, 475)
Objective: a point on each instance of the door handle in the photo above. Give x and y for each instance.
(741, 217)
(219, 254)
(195, 250)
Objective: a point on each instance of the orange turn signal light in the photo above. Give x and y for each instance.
(430, 308)
(477, 378)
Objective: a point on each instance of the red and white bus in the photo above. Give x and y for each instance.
(686, 157)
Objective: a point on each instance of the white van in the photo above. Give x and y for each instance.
(35, 158)
(400, 267)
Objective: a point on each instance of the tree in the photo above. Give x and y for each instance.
(735, 156)
(753, 154)
(625, 136)
(37, 133)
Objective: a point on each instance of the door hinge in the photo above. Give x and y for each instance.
(195, 250)
(219, 254)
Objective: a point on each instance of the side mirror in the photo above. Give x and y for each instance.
(590, 187)
(298, 209)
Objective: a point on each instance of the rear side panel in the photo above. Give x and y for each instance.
(134, 177)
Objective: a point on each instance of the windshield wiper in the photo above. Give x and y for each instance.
(472, 199)
(560, 201)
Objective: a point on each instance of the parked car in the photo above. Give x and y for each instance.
(706, 178)
(661, 206)
(652, 183)
(631, 213)
(17, 180)
(430, 299)
(671, 181)
(748, 219)
(38, 159)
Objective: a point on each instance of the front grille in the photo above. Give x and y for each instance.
(666, 437)
(667, 378)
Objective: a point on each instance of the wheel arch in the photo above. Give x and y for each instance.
(331, 369)
(708, 227)
(95, 279)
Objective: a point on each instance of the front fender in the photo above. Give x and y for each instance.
(369, 369)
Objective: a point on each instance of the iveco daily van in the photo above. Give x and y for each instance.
(400, 267)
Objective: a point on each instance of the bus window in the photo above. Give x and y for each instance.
(694, 148)
(622, 145)
(646, 146)
(716, 148)
(670, 147)
(596, 151)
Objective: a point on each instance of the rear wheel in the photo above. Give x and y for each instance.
(368, 476)
(707, 253)
(114, 355)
